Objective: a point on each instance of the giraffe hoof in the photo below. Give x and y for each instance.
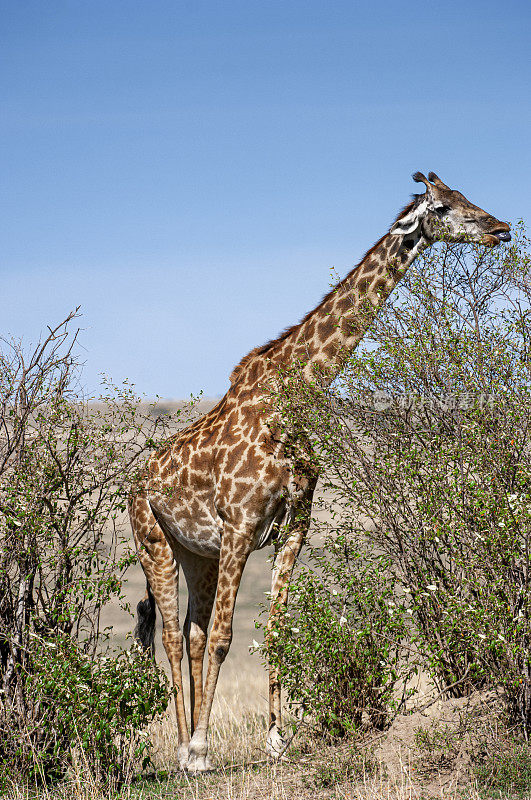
(276, 745)
(198, 760)
(182, 755)
(199, 764)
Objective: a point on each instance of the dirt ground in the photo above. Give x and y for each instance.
(425, 754)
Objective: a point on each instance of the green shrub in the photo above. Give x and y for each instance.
(96, 704)
(351, 765)
(67, 466)
(337, 646)
(506, 771)
(438, 746)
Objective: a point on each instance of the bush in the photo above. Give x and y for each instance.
(98, 705)
(352, 765)
(423, 445)
(337, 647)
(66, 468)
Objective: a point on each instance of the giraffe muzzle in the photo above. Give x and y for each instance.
(493, 238)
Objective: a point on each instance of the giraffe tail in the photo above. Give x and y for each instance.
(146, 619)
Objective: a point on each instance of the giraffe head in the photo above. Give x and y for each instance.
(444, 213)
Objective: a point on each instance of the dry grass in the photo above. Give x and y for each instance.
(237, 736)
(385, 768)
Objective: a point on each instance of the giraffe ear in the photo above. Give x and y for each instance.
(409, 222)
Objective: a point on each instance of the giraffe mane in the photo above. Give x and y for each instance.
(264, 348)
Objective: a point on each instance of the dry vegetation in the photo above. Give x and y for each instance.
(454, 749)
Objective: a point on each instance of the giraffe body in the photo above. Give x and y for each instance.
(205, 498)
(227, 484)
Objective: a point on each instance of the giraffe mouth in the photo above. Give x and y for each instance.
(493, 238)
(502, 236)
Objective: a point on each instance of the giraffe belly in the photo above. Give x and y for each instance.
(200, 536)
(205, 543)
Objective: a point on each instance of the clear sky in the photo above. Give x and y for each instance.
(189, 172)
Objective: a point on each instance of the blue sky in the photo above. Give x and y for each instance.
(189, 172)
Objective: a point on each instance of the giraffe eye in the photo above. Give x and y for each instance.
(441, 210)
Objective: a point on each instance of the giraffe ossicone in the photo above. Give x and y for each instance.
(222, 487)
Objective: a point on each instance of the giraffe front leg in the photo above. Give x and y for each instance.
(286, 554)
(235, 550)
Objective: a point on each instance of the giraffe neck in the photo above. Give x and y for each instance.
(327, 335)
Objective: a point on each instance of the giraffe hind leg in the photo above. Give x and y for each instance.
(160, 562)
(201, 577)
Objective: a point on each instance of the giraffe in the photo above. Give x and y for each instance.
(224, 486)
